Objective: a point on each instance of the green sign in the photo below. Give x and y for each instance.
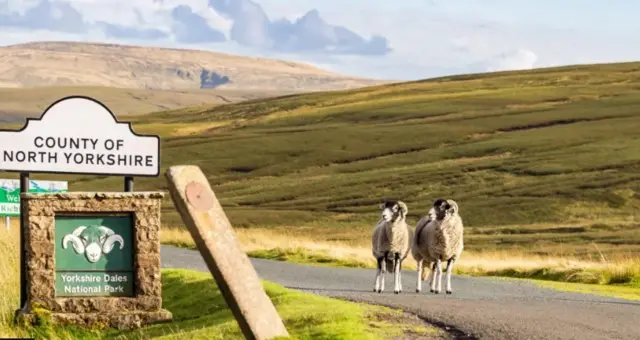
(10, 193)
(94, 256)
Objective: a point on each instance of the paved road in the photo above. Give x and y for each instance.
(485, 308)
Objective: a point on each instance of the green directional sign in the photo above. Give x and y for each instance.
(94, 255)
(10, 193)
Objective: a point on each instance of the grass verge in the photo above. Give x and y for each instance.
(273, 244)
(627, 291)
(200, 311)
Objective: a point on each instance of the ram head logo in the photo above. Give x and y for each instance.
(92, 241)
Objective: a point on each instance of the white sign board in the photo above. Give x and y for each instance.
(79, 135)
(10, 193)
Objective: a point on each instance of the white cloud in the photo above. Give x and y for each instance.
(118, 12)
(243, 21)
(426, 41)
(519, 59)
(128, 12)
(200, 7)
(20, 6)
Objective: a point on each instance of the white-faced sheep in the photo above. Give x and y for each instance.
(421, 259)
(391, 242)
(438, 237)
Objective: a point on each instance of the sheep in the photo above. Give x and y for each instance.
(92, 241)
(415, 246)
(391, 242)
(439, 239)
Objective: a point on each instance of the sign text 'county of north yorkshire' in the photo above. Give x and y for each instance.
(79, 135)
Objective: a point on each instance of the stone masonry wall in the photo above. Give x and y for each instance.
(39, 213)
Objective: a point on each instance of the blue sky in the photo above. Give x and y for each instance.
(400, 39)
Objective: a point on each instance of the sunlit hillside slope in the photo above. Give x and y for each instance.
(539, 160)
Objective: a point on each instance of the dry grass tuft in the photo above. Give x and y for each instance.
(9, 281)
(276, 244)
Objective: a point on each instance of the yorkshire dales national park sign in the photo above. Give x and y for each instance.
(79, 135)
(94, 255)
(94, 258)
(88, 258)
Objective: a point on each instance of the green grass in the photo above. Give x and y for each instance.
(623, 273)
(303, 256)
(629, 291)
(543, 162)
(122, 101)
(307, 247)
(200, 312)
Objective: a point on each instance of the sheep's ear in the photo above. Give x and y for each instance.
(381, 206)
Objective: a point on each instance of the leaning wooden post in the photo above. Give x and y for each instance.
(230, 266)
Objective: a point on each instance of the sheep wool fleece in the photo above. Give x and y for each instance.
(446, 241)
(392, 237)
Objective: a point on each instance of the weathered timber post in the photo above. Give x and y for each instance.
(230, 266)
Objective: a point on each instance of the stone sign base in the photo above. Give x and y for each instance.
(133, 245)
(126, 320)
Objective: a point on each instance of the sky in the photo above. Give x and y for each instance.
(394, 40)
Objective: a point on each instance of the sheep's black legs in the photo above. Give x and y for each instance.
(396, 273)
(376, 285)
(419, 283)
(449, 270)
(379, 285)
(382, 270)
(436, 284)
(439, 272)
(400, 275)
(432, 277)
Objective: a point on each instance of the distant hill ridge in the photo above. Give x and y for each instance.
(98, 64)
